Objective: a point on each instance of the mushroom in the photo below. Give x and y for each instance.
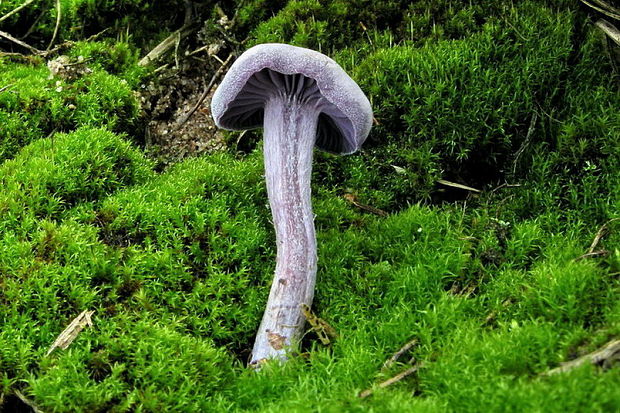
(301, 98)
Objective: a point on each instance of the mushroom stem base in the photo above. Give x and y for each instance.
(290, 134)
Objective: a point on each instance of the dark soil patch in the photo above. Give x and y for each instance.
(168, 99)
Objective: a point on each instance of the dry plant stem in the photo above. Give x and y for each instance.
(609, 12)
(289, 138)
(607, 6)
(25, 45)
(69, 334)
(15, 10)
(603, 357)
(399, 353)
(26, 401)
(392, 380)
(600, 233)
(58, 17)
(609, 29)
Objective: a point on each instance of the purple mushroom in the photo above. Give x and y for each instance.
(301, 98)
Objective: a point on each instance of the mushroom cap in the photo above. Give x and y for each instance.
(346, 116)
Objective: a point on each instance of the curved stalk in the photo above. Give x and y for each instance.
(290, 125)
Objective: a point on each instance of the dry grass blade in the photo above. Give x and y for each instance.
(603, 357)
(389, 362)
(391, 380)
(4, 88)
(600, 234)
(609, 29)
(167, 44)
(459, 186)
(69, 334)
(15, 10)
(605, 8)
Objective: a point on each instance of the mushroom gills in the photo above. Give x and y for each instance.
(246, 110)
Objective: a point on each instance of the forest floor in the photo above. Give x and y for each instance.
(468, 254)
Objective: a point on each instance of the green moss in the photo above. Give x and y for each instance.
(321, 24)
(36, 104)
(83, 18)
(177, 265)
(52, 175)
(460, 109)
(116, 58)
(116, 374)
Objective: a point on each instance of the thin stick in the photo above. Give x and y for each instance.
(353, 200)
(600, 234)
(391, 381)
(216, 57)
(176, 50)
(605, 12)
(504, 185)
(27, 401)
(19, 42)
(592, 254)
(609, 29)
(528, 137)
(205, 93)
(603, 357)
(15, 10)
(607, 6)
(58, 17)
(388, 363)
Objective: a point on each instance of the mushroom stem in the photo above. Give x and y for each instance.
(290, 125)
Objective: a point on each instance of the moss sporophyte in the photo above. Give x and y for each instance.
(301, 98)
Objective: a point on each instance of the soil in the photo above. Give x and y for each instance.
(166, 102)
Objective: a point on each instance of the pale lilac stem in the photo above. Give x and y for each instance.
(289, 137)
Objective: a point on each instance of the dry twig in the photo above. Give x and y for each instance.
(353, 200)
(593, 254)
(603, 357)
(58, 17)
(390, 362)
(526, 142)
(600, 234)
(21, 43)
(27, 402)
(605, 8)
(609, 29)
(592, 251)
(391, 380)
(504, 185)
(15, 10)
(3, 88)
